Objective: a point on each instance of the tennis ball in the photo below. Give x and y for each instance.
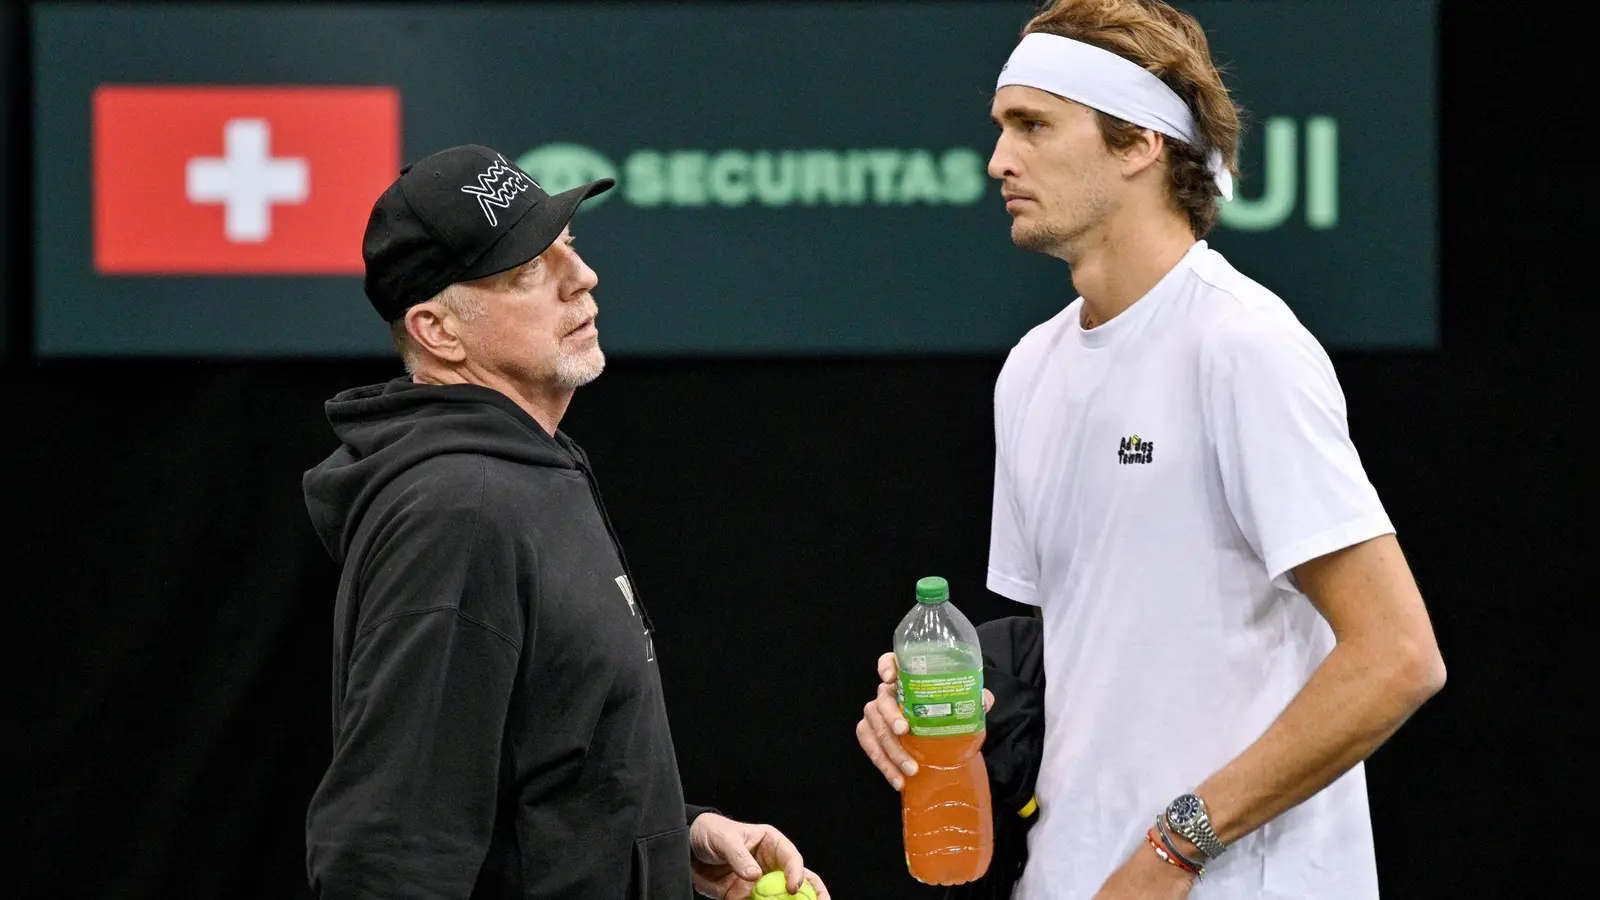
(773, 886)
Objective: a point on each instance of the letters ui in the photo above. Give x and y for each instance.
(1280, 182)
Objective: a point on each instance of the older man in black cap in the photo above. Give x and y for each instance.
(499, 725)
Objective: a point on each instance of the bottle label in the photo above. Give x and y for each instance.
(943, 705)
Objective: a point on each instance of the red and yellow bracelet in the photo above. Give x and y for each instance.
(1171, 858)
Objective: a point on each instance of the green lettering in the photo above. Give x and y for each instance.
(1322, 172)
(920, 181)
(775, 178)
(644, 180)
(884, 164)
(1279, 187)
(686, 177)
(729, 178)
(854, 191)
(820, 178)
(964, 176)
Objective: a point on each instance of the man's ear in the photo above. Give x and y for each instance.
(436, 331)
(1145, 152)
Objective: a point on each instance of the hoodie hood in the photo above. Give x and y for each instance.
(385, 429)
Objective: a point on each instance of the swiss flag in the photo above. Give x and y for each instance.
(239, 180)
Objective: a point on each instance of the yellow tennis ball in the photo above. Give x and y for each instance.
(773, 886)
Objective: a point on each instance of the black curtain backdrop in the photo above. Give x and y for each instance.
(169, 608)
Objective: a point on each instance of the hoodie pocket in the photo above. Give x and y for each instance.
(661, 867)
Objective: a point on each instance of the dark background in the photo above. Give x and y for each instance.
(169, 608)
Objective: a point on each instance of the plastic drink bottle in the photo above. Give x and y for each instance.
(947, 823)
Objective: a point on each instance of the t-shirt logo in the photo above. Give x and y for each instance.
(1135, 450)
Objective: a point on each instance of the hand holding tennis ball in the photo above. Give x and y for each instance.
(771, 886)
(741, 859)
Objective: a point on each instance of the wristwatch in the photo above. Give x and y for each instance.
(1187, 816)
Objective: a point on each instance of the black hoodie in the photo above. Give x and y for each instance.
(1013, 669)
(498, 721)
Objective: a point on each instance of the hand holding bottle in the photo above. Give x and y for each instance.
(881, 725)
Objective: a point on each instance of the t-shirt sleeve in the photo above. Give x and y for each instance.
(1291, 475)
(1013, 567)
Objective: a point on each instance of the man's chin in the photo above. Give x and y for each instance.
(579, 369)
(1037, 238)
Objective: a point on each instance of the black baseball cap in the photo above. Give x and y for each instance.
(459, 214)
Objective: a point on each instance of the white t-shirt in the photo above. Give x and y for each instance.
(1157, 478)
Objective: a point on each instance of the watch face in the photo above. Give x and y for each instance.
(1184, 810)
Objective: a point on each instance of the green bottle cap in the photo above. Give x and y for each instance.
(932, 589)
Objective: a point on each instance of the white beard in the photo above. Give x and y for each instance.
(574, 370)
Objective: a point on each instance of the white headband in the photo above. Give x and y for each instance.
(1102, 80)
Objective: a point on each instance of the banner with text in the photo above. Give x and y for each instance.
(11, 149)
(789, 180)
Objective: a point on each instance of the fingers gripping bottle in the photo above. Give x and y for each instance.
(946, 816)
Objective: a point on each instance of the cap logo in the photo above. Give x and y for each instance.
(497, 186)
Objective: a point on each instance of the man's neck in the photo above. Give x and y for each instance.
(547, 405)
(1119, 263)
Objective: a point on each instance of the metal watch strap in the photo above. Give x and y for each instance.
(1166, 838)
(1199, 832)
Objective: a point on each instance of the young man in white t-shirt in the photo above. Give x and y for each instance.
(1230, 626)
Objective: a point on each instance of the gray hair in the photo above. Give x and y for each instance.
(457, 299)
